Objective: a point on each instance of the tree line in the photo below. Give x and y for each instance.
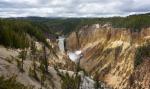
(17, 33)
(13, 32)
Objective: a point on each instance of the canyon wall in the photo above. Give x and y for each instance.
(109, 55)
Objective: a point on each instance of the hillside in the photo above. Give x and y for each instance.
(40, 28)
(114, 53)
(117, 56)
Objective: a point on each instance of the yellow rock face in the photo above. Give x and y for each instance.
(109, 53)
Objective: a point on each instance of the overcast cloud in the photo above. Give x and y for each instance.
(72, 8)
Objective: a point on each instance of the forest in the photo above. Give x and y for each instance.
(16, 32)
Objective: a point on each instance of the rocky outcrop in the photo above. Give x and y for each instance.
(109, 53)
(140, 78)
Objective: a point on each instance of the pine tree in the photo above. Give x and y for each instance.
(22, 55)
(33, 50)
(33, 58)
(43, 74)
(45, 61)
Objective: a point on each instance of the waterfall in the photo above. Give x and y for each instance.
(75, 56)
(61, 43)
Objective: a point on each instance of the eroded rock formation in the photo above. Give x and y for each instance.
(109, 53)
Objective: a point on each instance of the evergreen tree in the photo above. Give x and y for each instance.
(45, 61)
(22, 55)
(33, 50)
(43, 73)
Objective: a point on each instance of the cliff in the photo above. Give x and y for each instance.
(110, 53)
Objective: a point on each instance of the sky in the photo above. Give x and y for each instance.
(72, 8)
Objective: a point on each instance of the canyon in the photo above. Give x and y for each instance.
(109, 54)
(116, 58)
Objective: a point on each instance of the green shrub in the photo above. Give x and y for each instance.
(142, 52)
(70, 82)
(11, 83)
(33, 74)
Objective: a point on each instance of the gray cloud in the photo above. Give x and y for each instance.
(72, 8)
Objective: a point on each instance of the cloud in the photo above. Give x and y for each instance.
(72, 8)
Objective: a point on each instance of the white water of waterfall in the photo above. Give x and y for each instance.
(61, 44)
(75, 56)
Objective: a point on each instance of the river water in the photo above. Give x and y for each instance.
(61, 40)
